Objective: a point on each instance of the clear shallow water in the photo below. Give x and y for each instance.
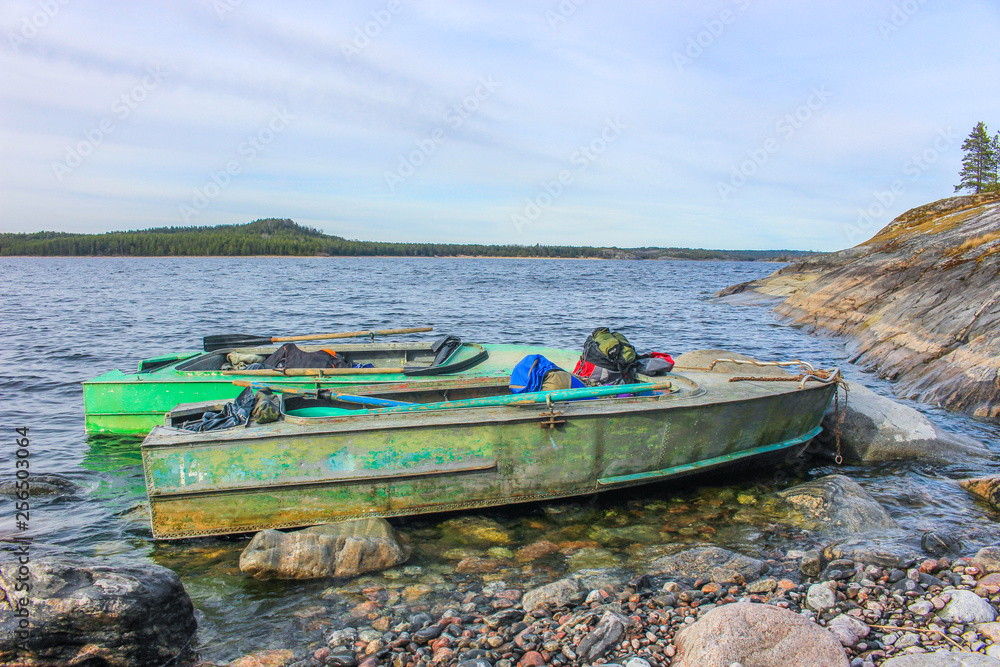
(66, 320)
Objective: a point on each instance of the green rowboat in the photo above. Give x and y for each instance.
(464, 445)
(118, 403)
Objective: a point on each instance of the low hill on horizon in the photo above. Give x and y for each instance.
(274, 236)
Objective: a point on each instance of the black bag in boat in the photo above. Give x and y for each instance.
(290, 356)
(235, 413)
(608, 358)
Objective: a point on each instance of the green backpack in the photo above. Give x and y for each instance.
(609, 349)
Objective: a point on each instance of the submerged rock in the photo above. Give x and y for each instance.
(713, 563)
(759, 635)
(876, 428)
(42, 485)
(556, 594)
(333, 550)
(476, 531)
(837, 502)
(917, 302)
(84, 613)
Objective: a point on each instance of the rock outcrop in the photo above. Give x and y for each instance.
(334, 550)
(81, 613)
(918, 302)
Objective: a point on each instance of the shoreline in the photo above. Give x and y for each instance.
(597, 259)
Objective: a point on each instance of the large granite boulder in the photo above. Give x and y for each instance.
(917, 302)
(82, 612)
(332, 550)
(713, 563)
(876, 428)
(757, 635)
(836, 503)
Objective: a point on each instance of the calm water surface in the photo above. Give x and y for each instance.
(67, 320)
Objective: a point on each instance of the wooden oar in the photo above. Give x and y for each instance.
(223, 341)
(308, 372)
(326, 394)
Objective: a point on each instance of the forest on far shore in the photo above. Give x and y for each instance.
(284, 237)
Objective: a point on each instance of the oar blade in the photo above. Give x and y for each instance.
(223, 341)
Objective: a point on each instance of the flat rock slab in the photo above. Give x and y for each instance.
(83, 612)
(837, 503)
(757, 635)
(333, 550)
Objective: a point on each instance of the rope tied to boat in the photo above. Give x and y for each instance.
(817, 374)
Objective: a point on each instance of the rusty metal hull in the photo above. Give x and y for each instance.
(305, 471)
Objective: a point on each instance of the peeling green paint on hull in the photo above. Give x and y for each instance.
(118, 403)
(303, 471)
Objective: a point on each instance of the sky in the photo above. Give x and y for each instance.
(734, 124)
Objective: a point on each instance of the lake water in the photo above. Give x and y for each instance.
(65, 320)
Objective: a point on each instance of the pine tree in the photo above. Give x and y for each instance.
(995, 184)
(979, 165)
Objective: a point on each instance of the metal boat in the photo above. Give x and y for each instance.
(465, 443)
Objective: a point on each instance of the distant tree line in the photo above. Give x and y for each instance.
(981, 162)
(284, 237)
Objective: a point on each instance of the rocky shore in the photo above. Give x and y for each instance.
(918, 302)
(939, 611)
(858, 593)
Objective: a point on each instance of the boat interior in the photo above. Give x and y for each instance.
(326, 403)
(379, 355)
